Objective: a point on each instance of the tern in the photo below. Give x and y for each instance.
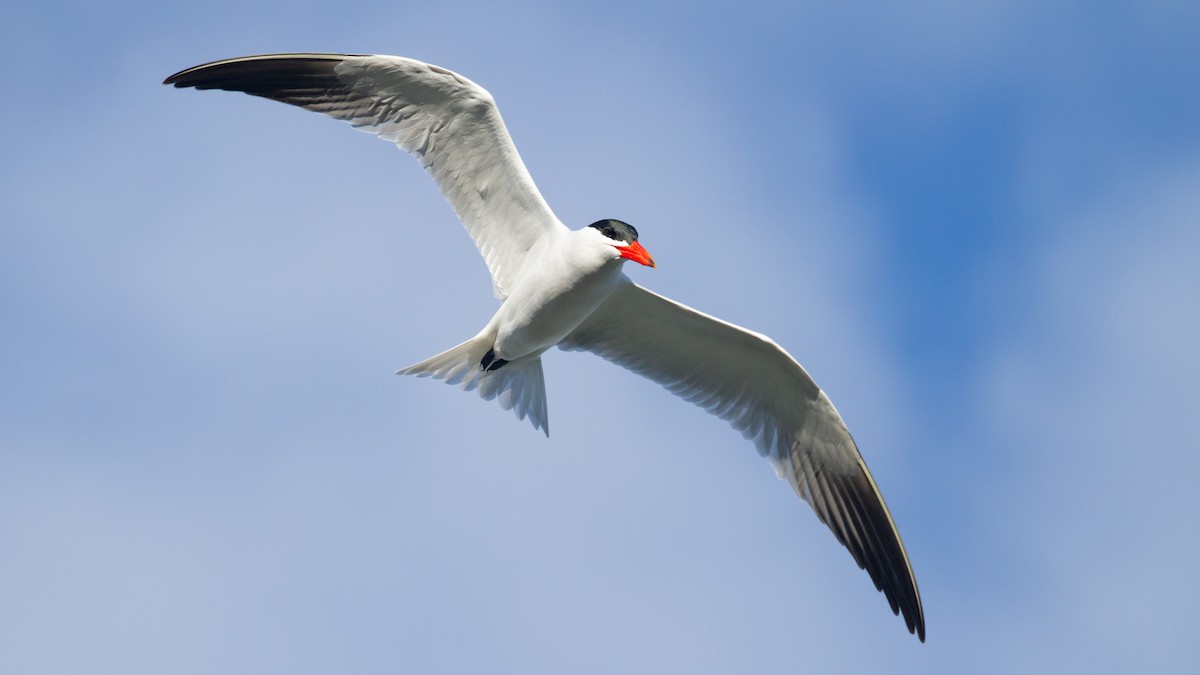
(565, 288)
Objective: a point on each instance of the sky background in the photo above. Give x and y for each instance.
(975, 224)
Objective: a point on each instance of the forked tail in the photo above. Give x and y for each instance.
(517, 385)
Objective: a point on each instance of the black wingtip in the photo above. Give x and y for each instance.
(174, 79)
(220, 74)
(856, 514)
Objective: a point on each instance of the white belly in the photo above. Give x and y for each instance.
(550, 302)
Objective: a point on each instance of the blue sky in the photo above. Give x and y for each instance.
(975, 224)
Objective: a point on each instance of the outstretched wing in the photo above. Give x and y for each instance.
(751, 382)
(448, 122)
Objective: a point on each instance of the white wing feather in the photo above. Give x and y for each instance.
(751, 382)
(449, 123)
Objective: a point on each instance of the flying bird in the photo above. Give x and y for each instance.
(565, 288)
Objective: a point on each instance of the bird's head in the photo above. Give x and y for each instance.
(623, 237)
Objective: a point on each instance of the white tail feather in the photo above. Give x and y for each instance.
(518, 385)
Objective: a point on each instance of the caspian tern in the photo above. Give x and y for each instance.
(566, 288)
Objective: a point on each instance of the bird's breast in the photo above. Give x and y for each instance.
(550, 301)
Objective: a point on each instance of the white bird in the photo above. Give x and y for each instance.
(566, 288)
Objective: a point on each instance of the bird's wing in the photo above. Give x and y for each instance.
(448, 122)
(749, 381)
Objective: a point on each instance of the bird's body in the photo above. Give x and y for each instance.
(573, 275)
(565, 288)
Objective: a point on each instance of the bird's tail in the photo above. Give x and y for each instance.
(518, 385)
